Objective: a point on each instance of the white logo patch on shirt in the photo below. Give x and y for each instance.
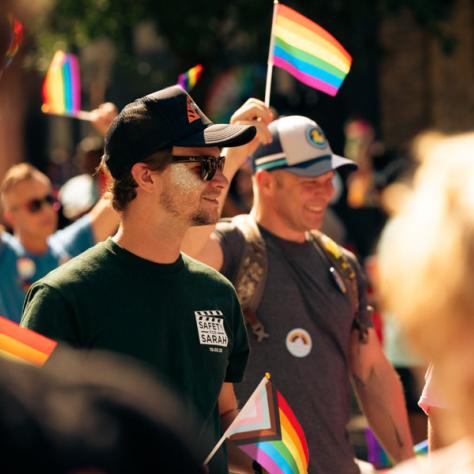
(210, 326)
(298, 342)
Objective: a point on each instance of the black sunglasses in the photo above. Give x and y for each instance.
(35, 205)
(209, 164)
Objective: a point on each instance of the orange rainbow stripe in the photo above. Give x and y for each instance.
(24, 345)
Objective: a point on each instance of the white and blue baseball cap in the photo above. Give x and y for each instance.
(299, 146)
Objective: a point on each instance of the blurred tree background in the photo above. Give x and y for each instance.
(130, 48)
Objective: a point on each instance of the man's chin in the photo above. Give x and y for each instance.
(204, 218)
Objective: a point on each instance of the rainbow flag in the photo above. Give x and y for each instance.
(307, 51)
(61, 87)
(24, 345)
(187, 80)
(267, 430)
(422, 448)
(16, 37)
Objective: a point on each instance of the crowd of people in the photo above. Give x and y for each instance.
(168, 314)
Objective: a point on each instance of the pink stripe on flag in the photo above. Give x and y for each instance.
(262, 458)
(75, 83)
(259, 415)
(305, 78)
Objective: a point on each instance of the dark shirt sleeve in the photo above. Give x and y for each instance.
(240, 346)
(47, 312)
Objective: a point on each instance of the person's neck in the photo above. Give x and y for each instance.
(158, 242)
(275, 225)
(32, 243)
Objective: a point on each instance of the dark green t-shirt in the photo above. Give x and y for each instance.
(182, 319)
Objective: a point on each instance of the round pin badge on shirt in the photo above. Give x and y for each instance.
(26, 268)
(298, 342)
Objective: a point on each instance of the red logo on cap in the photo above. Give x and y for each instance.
(191, 108)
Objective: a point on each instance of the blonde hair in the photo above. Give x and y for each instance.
(17, 174)
(426, 259)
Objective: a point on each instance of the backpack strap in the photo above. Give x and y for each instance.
(344, 274)
(251, 275)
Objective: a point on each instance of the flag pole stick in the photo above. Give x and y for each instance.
(80, 114)
(241, 413)
(268, 84)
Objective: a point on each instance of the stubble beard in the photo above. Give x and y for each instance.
(198, 218)
(201, 217)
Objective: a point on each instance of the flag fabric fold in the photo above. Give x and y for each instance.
(24, 345)
(307, 51)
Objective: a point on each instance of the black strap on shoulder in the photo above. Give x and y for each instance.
(343, 272)
(250, 277)
(252, 273)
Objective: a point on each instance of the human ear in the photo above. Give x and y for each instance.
(265, 181)
(143, 176)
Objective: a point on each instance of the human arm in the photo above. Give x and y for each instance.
(104, 219)
(239, 463)
(380, 395)
(198, 242)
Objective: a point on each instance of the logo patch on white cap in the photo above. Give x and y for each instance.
(316, 137)
(298, 342)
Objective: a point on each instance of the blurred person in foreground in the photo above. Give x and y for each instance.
(36, 247)
(425, 261)
(312, 327)
(137, 293)
(92, 414)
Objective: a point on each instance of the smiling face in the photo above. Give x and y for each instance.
(300, 202)
(185, 194)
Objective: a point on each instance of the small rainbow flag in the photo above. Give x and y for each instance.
(24, 345)
(307, 51)
(422, 448)
(187, 80)
(61, 87)
(267, 430)
(16, 37)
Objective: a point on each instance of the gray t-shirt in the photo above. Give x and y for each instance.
(309, 322)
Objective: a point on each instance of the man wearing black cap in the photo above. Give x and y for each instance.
(136, 293)
(304, 300)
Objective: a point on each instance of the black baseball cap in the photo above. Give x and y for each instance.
(166, 118)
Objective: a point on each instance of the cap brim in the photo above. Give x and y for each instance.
(321, 166)
(220, 135)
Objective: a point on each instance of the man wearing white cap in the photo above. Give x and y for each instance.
(304, 300)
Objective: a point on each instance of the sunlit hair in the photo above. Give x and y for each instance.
(123, 189)
(426, 260)
(17, 174)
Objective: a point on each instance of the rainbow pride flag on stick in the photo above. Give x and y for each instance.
(267, 430)
(187, 80)
(24, 345)
(16, 37)
(307, 51)
(62, 88)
